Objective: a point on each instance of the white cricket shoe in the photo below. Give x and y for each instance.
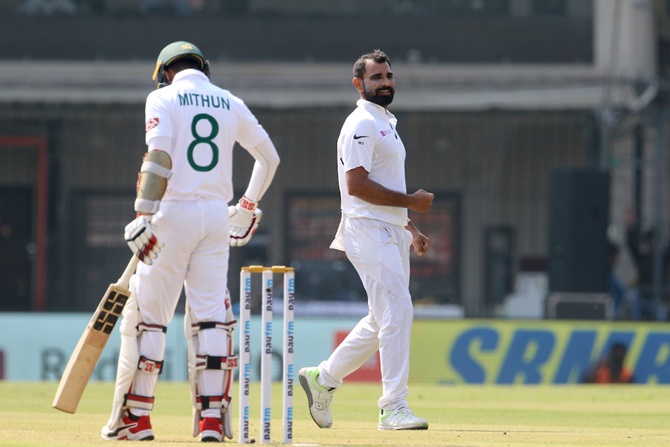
(318, 398)
(401, 419)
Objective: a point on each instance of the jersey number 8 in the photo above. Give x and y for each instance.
(201, 139)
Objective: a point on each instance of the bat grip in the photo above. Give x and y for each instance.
(128, 272)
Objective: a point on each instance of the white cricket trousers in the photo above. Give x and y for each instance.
(380, 254)
(195, 256)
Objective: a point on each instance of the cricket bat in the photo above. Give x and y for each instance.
(87, 352)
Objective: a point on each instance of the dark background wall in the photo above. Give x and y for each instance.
(554, 40)
(497, 164)
(492, 166)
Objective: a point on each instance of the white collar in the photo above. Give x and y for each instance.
(374, 108)
(189, 72)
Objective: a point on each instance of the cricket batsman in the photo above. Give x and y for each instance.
(183, 191)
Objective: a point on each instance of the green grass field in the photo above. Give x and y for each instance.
(472, 416)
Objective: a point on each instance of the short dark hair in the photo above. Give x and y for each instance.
(184, 63)
(377, 55)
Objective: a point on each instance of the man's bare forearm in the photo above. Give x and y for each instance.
(376, 194)
(361, 187)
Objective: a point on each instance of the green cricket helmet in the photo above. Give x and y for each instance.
(175, 51)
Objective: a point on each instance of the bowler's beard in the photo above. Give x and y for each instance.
(375, 97)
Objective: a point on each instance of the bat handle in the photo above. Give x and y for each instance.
(128, 272)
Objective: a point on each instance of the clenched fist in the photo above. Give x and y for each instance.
(422, 201)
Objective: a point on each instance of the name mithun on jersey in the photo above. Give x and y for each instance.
(196, 99)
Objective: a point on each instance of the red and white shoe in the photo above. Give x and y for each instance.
(133, 428)
(211, 430)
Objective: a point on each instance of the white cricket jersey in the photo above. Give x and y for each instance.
(203, 122)
(369, 139)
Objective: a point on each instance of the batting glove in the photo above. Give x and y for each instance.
(244, 220)
(141, 238)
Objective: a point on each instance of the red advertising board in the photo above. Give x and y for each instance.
(369, 372)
